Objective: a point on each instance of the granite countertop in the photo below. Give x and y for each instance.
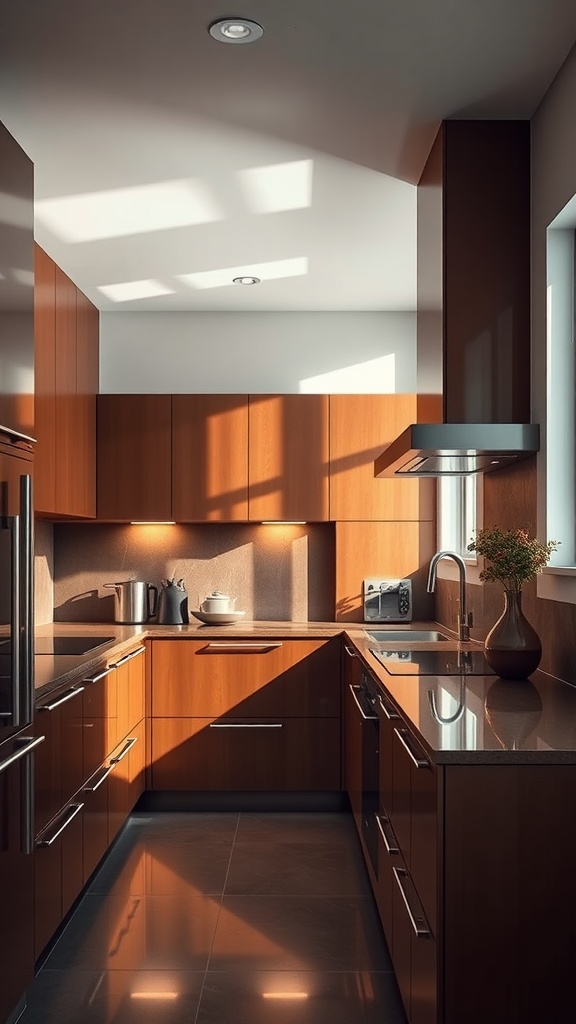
(459, 718)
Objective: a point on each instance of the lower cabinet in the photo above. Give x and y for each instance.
(239, 716)
(87, 780)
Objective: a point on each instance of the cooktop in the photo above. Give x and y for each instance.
(433, 663)
(78, 645)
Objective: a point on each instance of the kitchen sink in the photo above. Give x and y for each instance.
(411, 635)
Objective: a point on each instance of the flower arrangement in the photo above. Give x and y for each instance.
(513, 556)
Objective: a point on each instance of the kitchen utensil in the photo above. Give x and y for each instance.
(218, 618)
(217, 602)
(173, 603)
(134, 601)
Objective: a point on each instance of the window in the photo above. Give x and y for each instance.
(459, 513)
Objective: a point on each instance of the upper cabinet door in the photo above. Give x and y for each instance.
(87, 381)
(288, 457)
(360, 428)
(134, 457)
(44, 381)
(209, 458)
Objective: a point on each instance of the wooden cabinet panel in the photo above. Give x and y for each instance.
(87, 383)
(209, 458)
(129, 691)
(44, 381)
(57, 871)
(134, 457)
(360, 428)
(58, 770)
(390, 549)
(288, 460)
(126, 781)
(66, 383)
(298, 754)
(297, 678)
(100, 720)
(352, 737)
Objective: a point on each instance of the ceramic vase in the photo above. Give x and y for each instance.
(512, 647)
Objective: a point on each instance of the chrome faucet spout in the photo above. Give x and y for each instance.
(464, 617)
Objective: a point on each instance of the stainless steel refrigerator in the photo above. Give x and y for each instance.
(17, 741)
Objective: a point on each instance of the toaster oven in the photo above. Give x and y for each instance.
(387, 600)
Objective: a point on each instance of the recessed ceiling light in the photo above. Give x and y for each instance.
(246, 280)
(235, 30)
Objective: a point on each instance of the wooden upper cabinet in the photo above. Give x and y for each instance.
(360, 428)
(134, 457)
(66, 383)
(44, 381)
(288, 457)
(209, 458)
(87, 382)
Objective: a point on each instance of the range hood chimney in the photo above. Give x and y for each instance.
(473, 319)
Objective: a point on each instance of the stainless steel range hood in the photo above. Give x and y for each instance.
(457, 449)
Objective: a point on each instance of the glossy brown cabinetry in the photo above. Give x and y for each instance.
(66, 384)
(134, 457)
(288, 460)
(241, 716)
(352, 733)
(209, 458)
(89, 773)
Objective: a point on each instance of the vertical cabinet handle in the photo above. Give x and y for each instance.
(125, 750)
(417, 757)
(385, 829)
(354, 691)
(411, 902)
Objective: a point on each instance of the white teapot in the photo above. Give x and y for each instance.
(217, 602)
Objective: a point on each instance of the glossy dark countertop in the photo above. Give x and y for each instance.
(460, 719)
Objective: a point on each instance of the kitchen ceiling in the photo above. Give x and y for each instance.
(167, 163)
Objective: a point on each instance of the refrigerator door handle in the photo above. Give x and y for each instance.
(26, 598)
(18, 717)
(25, 745)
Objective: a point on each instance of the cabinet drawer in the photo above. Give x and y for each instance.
(414, 953)
(100, 721)
(58, 761)
(240, 679)
(414, 815)
(246, 755)
(126, 780)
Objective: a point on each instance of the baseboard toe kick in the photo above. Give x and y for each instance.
(187, 800)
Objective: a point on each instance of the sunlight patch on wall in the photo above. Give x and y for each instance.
(375, 376)
(278, 187)
(129, 290)
(223, 278)
(128, 211)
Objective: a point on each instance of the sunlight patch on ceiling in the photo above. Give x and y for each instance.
(129, 211)
(375, 376)
(278, 187)
(129, 290)
(223, 278)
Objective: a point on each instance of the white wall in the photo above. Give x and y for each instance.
(257, 353)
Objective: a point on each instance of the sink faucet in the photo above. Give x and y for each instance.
(464, 617)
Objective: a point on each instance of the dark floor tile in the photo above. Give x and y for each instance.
(316, 869)
(283, 997)
(156, 867)
(135, 932)
(111, 997)
(312, 827)
(299, 933)
(187, 826)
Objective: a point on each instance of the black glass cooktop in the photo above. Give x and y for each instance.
(78, 645)
(433, 663)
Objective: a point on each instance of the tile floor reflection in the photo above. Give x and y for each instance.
(213, 918)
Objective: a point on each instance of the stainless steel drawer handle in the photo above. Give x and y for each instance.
(417, 919)
(419, 761)
(69, 815)
(128, 657)
(26, 746)
(100, 675)
(350, 652)
(233, 647)
(125, 750)
(61, 700)
(390, 841)
(367, 718)
(387, 709)
(98, 778)
(246, 725)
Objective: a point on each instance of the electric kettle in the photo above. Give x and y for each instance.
(134, 601)
(173, 603)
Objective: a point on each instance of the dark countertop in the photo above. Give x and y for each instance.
(460, 719)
